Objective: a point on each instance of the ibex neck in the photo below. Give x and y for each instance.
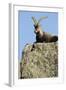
(41, 33)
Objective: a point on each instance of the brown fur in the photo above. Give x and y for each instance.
(43, 36)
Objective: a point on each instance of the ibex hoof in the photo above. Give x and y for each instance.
(33, 47)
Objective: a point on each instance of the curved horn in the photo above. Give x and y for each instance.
(42, 19)
(34, 20)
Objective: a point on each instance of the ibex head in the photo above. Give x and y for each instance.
(37, 25)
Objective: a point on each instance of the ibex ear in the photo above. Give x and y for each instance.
(36, 26)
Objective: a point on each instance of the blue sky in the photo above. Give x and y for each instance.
(26, 29)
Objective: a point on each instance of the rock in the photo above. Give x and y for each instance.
(41, 62)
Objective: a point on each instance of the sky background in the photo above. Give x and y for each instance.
(26, 29)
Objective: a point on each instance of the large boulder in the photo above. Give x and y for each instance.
(41, 62)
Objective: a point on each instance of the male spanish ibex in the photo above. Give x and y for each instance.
(40, 35)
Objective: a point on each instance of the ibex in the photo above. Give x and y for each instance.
(40, 35)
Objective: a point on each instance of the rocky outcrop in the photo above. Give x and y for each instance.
(41, 62)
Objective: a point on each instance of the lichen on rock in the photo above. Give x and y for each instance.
(42, 62)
